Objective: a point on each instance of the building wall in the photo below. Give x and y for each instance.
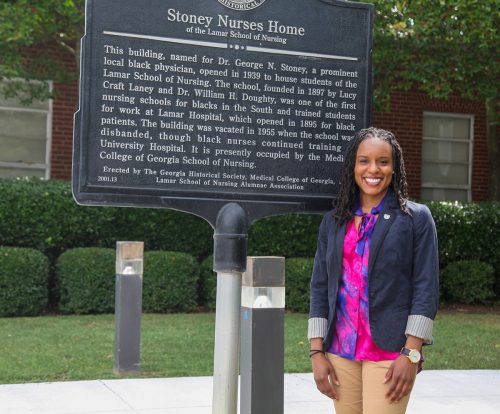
(405, 119)
(64, 107)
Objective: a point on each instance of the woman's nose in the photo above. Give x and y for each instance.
(373, 167)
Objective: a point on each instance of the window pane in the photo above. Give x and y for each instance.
(19, 172)
(443, 194)
(454, 174)
(22, 150)
(15, 102)
(445, 151)
(446, 127)
(22, 124)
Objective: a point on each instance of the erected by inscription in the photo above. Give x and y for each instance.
(180, 99)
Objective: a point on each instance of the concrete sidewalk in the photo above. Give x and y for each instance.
(436, 392)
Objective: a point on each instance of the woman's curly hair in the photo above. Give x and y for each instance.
(345, 202)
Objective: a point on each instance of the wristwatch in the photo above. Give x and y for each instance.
(413, 355)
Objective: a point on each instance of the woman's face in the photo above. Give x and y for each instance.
(373, 169)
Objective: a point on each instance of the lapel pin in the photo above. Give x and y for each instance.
(387, 216)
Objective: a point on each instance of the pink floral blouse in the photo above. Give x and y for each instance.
(351, 336)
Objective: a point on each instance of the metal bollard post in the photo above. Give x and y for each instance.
(262, 336)
(128, 306)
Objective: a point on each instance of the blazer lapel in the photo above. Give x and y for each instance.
(339, 249)
(382, 226)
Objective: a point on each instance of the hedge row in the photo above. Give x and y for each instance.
(87, 281)
(173, 282)
(24, 277)
(43, 215)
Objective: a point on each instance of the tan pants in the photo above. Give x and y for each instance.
(362, 389)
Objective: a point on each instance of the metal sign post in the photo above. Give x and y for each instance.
(230, 249)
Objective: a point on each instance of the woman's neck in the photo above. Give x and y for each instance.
(367, 202)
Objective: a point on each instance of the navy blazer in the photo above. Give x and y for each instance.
(402, 272)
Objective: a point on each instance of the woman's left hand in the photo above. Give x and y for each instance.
(401, 376)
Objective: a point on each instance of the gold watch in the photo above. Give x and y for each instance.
(413, 355)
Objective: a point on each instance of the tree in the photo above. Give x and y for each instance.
(32, 32)
(441, 47)
(437, 46)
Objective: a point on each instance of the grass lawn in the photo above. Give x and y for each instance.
(58, 348)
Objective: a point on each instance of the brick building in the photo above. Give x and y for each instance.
(444, 141)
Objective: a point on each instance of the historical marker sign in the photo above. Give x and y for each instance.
(190, 104)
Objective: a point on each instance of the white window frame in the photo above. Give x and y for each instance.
(470, 141)
(48, 146)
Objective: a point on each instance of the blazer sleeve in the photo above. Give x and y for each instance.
(318, 310)
(425, 298)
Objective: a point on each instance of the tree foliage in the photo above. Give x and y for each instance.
(437, 46)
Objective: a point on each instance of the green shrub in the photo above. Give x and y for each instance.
(165, 230)
(24, 275)
(468, 231)
(468, 281)
(42, 215)
(170, 282)
(297, 278)
(291, 235)
(87, 280)
(208, 284)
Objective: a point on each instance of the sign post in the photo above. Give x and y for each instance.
(195, 105)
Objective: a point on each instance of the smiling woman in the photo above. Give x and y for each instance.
(374, 287)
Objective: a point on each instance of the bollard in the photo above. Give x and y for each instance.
(128, 306)
(263, 336)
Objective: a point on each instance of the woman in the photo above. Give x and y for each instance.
(374, 287)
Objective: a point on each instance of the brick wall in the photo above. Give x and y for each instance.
(405, 120)
(64, 107)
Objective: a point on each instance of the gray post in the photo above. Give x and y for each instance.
(262, 336)
(128, 306)
(230, 242)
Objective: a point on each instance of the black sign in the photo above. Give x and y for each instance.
(190, 104)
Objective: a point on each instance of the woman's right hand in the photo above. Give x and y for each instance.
(324, 375)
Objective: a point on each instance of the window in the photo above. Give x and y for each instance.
(447, 157)
(25, 138)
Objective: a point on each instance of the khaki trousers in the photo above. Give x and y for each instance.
(362, 389)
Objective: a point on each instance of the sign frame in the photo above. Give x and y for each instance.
(204, 203)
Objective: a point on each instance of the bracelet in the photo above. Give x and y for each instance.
(315, 351)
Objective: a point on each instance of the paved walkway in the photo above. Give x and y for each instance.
(436, 392)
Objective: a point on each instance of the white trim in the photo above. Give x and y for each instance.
(457, 140)
(34, 110)
(23, 165)
(45, 168)
(467, 187)
(448, 114)
(48, 148)
(445, 162)
(444, 186)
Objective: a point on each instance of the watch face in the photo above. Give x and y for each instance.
(414, 356)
